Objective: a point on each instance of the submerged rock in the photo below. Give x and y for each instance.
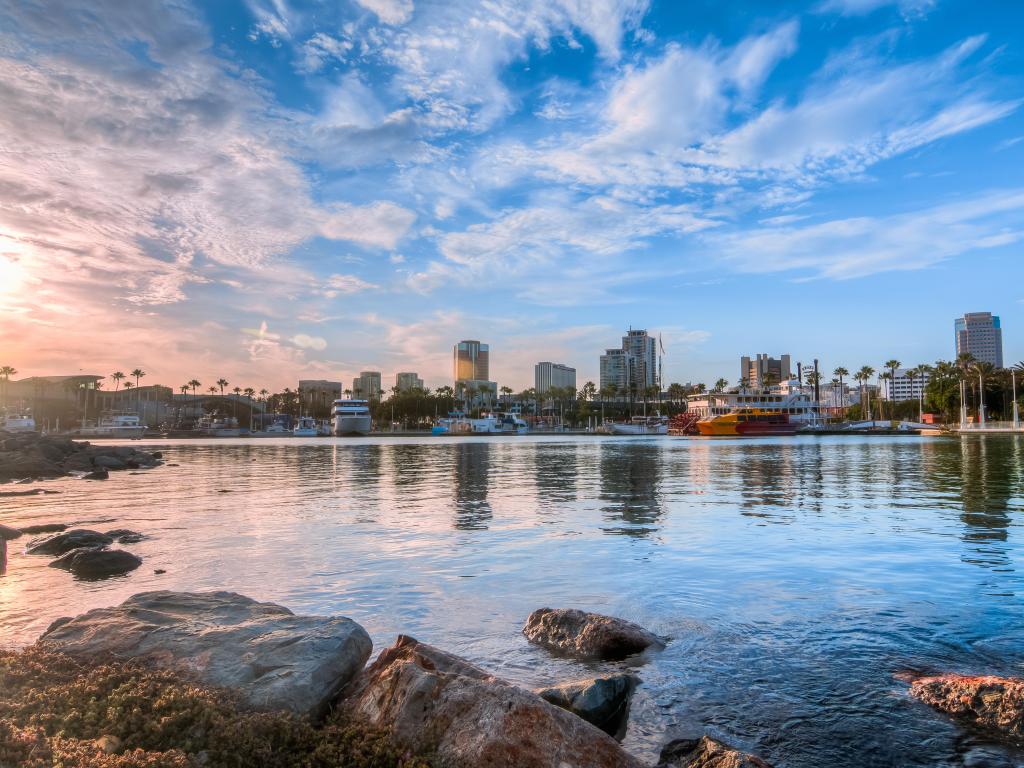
(995, 703)
(429, 700)
(7, 533)
(273, 658)
(44, 528)
(706, 752)
(100, 473)
(67, 541)
(97, 563)
(125, 536)
(601, 701)
(587, 635)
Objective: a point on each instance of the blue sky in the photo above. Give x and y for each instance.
(269, 189)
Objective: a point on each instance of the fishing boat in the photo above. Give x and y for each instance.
(351, 417)
(306, 426)
(121, 425)
(639, 425)
(747, 422)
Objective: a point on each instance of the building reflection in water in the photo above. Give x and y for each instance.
(556, 474)
(631, 487)
(471, 469)
(988, 469)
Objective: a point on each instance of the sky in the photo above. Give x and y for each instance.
(269, 190)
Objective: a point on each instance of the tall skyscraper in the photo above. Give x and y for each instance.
(406, 381)
(548, 375)
(472, 361)
(980, 335)
(366, 385)
(634, 366)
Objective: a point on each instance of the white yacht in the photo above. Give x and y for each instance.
(351, 417)
(19, 423)
(219, 426)
(458, 423)
(640, 425)
(306, 426)
(115, 425)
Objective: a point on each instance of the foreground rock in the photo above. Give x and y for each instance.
(63, 543)
(995, 703)
(431, 701)
(706, 753)
(45, 528)
(30, 455)
(6, 533)
(272, 657)
(601, 701)
(91, 563)
(587, 635)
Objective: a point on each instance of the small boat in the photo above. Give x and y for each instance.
(747, 422)
(306, 426)
(19, 423)
(458, 423)
(639, 425)
(218, 426)
(123, 425)
(351, 417)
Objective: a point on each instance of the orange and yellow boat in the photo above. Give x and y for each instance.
(747, 422)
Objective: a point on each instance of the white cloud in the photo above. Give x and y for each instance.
(305, 341)
(855, 247)
(320, 49)
(909, 8)
(389, 11)
(345, 285)
(377, 225)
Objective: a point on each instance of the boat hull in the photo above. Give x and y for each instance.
(357, 424)
(732, 429)
(131, 433)
(639, 429)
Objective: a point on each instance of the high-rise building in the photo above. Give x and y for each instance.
(406, 381)
(980, 335)
(905, 387)
(317, 394)
(764, 370)
(366, 386)
(548, 375)
(472, 361)
(634, 366)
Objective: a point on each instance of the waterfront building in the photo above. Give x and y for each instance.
(980, 335)
(904, 387)
(548, 375)
(764, 370)
(317, 395)
(406, 381)
(366, 386)
(633, 366)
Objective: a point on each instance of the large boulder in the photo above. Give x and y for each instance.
(429, 700)
(587, 635)
(601, 701)
(706, 752)
(273, 658)
(96, 563)
(995, 703)
(62, 543)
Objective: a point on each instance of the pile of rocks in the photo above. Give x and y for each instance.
(28, 455)
(85, 553)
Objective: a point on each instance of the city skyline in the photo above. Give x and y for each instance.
(279, 191)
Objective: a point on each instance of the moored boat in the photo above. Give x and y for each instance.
(351, 417)
(218, 426)
(21, 422)
(306, 427)
(122, 425)
(640, 425)
(747, 422)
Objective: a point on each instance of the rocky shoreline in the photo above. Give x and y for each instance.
(28, 456)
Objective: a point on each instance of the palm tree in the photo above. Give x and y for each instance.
(893, 365)
(222, 383)
(128, 385)
(117, 376)
(195, 384)
(721, 384)
(911, 374)
(863, 376)
(6, 371)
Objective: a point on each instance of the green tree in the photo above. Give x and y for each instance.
(117, 376)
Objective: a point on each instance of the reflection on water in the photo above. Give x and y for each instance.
(795, 575)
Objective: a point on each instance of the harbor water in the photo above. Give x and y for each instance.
(798, 578)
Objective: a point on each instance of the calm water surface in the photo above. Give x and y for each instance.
(796, 576)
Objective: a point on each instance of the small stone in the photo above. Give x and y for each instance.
(98, 474)
(706, 753)
(601, 701)
(587, 635)
(994, 703)
(125, 536)
(97, 563)
(158, 571)
(108, 745)
(67, 541)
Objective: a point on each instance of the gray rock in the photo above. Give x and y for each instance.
(109, 462)
(273, 658)
(125, 536)
(706, 752)
(78, 462)
(97, 563)
(45, 528)
(587, 635)
(7, 533)
(67, 541)
(429, 700)
(601, 701)
(100, 473)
